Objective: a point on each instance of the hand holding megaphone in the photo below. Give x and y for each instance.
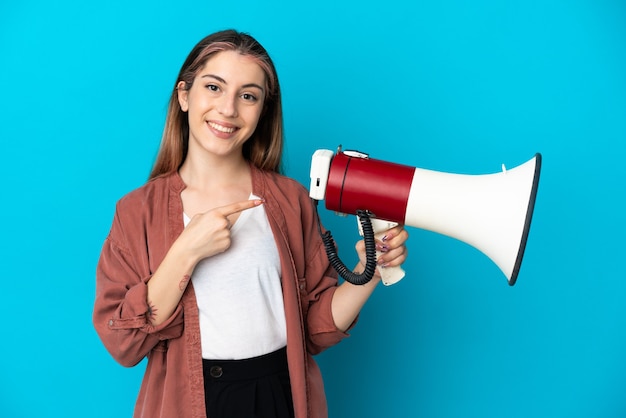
(491, 212)
(389, 275)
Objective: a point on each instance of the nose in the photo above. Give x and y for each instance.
(228, 105)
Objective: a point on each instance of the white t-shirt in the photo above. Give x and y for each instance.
(239, 294)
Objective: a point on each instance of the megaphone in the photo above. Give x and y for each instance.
(490, 212)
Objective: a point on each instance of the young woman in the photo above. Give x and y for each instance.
(214, 269)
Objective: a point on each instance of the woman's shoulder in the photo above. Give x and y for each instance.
(153, 190)
(284, 185)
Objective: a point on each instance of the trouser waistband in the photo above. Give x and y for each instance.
(251, 368)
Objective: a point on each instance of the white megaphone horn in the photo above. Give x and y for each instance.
(491, 212)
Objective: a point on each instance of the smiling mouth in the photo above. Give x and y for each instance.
(222, 128)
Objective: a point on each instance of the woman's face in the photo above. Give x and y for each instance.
(223, 104)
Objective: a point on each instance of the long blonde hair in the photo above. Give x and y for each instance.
(264, 148)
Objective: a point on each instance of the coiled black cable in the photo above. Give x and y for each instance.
(370, 251)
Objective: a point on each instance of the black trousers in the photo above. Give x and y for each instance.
(258, 387)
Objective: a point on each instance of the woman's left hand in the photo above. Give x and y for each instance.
(391, 246)
(349, 298)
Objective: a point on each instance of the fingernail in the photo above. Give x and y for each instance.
(388, 236)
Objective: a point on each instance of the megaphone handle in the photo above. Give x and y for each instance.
(389, 275)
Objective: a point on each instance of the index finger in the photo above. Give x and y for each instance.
(396, 236)
(239, 206)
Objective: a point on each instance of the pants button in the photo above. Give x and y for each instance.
(216, 371)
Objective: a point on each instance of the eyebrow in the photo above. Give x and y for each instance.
(221, 80)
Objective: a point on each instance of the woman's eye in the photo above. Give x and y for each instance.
(249, 97)
(212, 87)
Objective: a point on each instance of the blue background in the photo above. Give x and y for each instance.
(456, 86)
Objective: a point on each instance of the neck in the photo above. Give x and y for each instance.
(220, 172)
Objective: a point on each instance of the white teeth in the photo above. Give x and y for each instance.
(221, 128)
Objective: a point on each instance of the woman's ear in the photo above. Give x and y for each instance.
(183, 94)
